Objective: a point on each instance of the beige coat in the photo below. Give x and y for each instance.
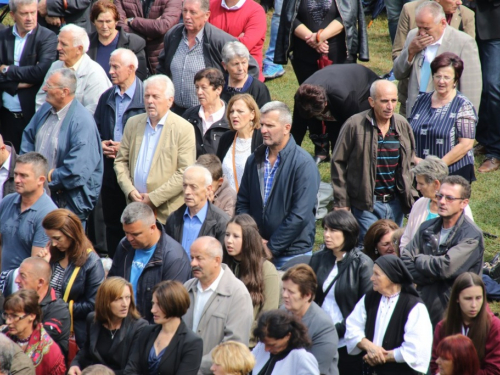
(175, 152)
(228, 315)
(463, 19)
(458, 42)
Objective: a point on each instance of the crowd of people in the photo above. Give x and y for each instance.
(158, 213)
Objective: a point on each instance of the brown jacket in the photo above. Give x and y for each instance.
(176, 151)
(463, 20)
(354, 167)
(162, 15)
(225, 198)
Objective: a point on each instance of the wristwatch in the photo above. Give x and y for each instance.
(129, 20)
(4, 70)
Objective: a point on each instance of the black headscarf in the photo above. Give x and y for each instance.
(396, 271)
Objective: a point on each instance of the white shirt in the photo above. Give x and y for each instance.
(238, 5)
(4, 174)
(242, 153)
(330, 305)
(146, 154)
(202, 297)
(207, 122)
(431, 50)
(416, 347)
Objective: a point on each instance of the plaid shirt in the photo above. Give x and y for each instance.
(269, 174)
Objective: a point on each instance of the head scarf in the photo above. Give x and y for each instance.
(396, 271)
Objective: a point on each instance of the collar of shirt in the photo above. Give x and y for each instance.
(214, 117)
(6, 163)
(76, 65)
(16, 34)
(18, 200)
(213, 286)
(238, 5)
(276, 163)
(129, 92)
(199, 36)
(62, 112)
(201, 215)
(160, 123)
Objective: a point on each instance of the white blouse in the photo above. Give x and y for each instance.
(243, 151)
(330, 305)
(417, 345)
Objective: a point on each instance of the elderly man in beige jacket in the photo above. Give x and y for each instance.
(156, 148)
(221, 308)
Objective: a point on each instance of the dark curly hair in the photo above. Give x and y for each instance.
(310, 100)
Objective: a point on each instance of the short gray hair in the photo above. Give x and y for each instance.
(138, 211)
(285, 115)
(126, 56)
(67, 79)
(37, 161)
(13, 4)
(434, 8)
(80, 36)
(206, 173)
(6, 354)
(374, 87)
(163, 79)
(431, 168)
(204, 4)
(234, 49)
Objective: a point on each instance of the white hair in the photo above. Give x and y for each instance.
(234, 49)
(126, 56)
(285, 116)
(80, 37)
(164, 80)
(435, 9)
(205, 171)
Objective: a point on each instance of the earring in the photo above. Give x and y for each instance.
(376, 251)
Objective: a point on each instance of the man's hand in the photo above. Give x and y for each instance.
(74, 370)
(54, 21)
(145, 199)
(135, 196)
(418, 44)
(341, 208)
(42, 8)
(23, 85)
(110, 148)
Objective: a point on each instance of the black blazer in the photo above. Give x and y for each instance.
(181, 357)
(227, 139)
(125, 40)
(122, 344)
(39, 52)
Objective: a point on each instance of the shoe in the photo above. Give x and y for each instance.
(272, 71)
(495, 272)
(489, 165)
(318, 159)
(479, 150)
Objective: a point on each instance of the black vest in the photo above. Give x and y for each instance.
(394, 335)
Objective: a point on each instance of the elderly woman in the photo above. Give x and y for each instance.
(208, 118)
(343, 273)
(378, 239)
(238, 144)
(23, 314)
(108, 37)
(429, 173)
(232, 358)
(444, 121)
(235, 60)
(391, 324)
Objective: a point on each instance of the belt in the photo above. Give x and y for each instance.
(17, 114)
(385, 198)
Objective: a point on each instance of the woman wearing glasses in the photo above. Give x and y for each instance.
(444, 121)
(22, 314)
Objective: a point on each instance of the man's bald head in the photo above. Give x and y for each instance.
(34, 274)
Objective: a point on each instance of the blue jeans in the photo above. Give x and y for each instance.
(394, 8)
(278, 262)
(488, 126)
(390, 210)
(275, 23)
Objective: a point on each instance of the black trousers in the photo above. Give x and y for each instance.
(350, 364)
(12, 128)
(113, 204)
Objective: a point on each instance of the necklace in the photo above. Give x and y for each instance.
(113, 332)
(23, 341)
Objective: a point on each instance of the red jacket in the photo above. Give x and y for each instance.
(491, 363)
(162, 16)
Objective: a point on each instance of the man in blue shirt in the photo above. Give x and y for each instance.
(147, 255)
(22, 213)
(197, 217)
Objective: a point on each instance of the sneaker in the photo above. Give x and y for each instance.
(273, 71)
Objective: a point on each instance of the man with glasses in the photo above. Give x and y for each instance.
(444, 247)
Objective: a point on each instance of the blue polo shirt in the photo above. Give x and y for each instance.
(21, 231)
(192, 227)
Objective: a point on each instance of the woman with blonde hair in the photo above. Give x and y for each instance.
(111, 328)
(236, 145)
(232, 358)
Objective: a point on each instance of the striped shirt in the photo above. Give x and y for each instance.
(57, 280)
(437, 130)
(269, 173)
(387, 161)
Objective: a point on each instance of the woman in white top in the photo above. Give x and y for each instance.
(282, 346)
(237, 145)
(429, 173)
(391, 324)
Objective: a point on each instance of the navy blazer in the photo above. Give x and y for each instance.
(39, 52)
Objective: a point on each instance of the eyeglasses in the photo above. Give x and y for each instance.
(13, 318)
(448, 198)
(444, 78)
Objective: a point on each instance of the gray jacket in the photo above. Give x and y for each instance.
(228, 315)
(435, 267)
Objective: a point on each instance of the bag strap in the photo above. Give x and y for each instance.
(70, 306)
(234, 162)
(336, 277)
(72, 280)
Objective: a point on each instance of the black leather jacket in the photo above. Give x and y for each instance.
(353, 19)
(353, 280)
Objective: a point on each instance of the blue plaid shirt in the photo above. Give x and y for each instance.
(269, 174)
